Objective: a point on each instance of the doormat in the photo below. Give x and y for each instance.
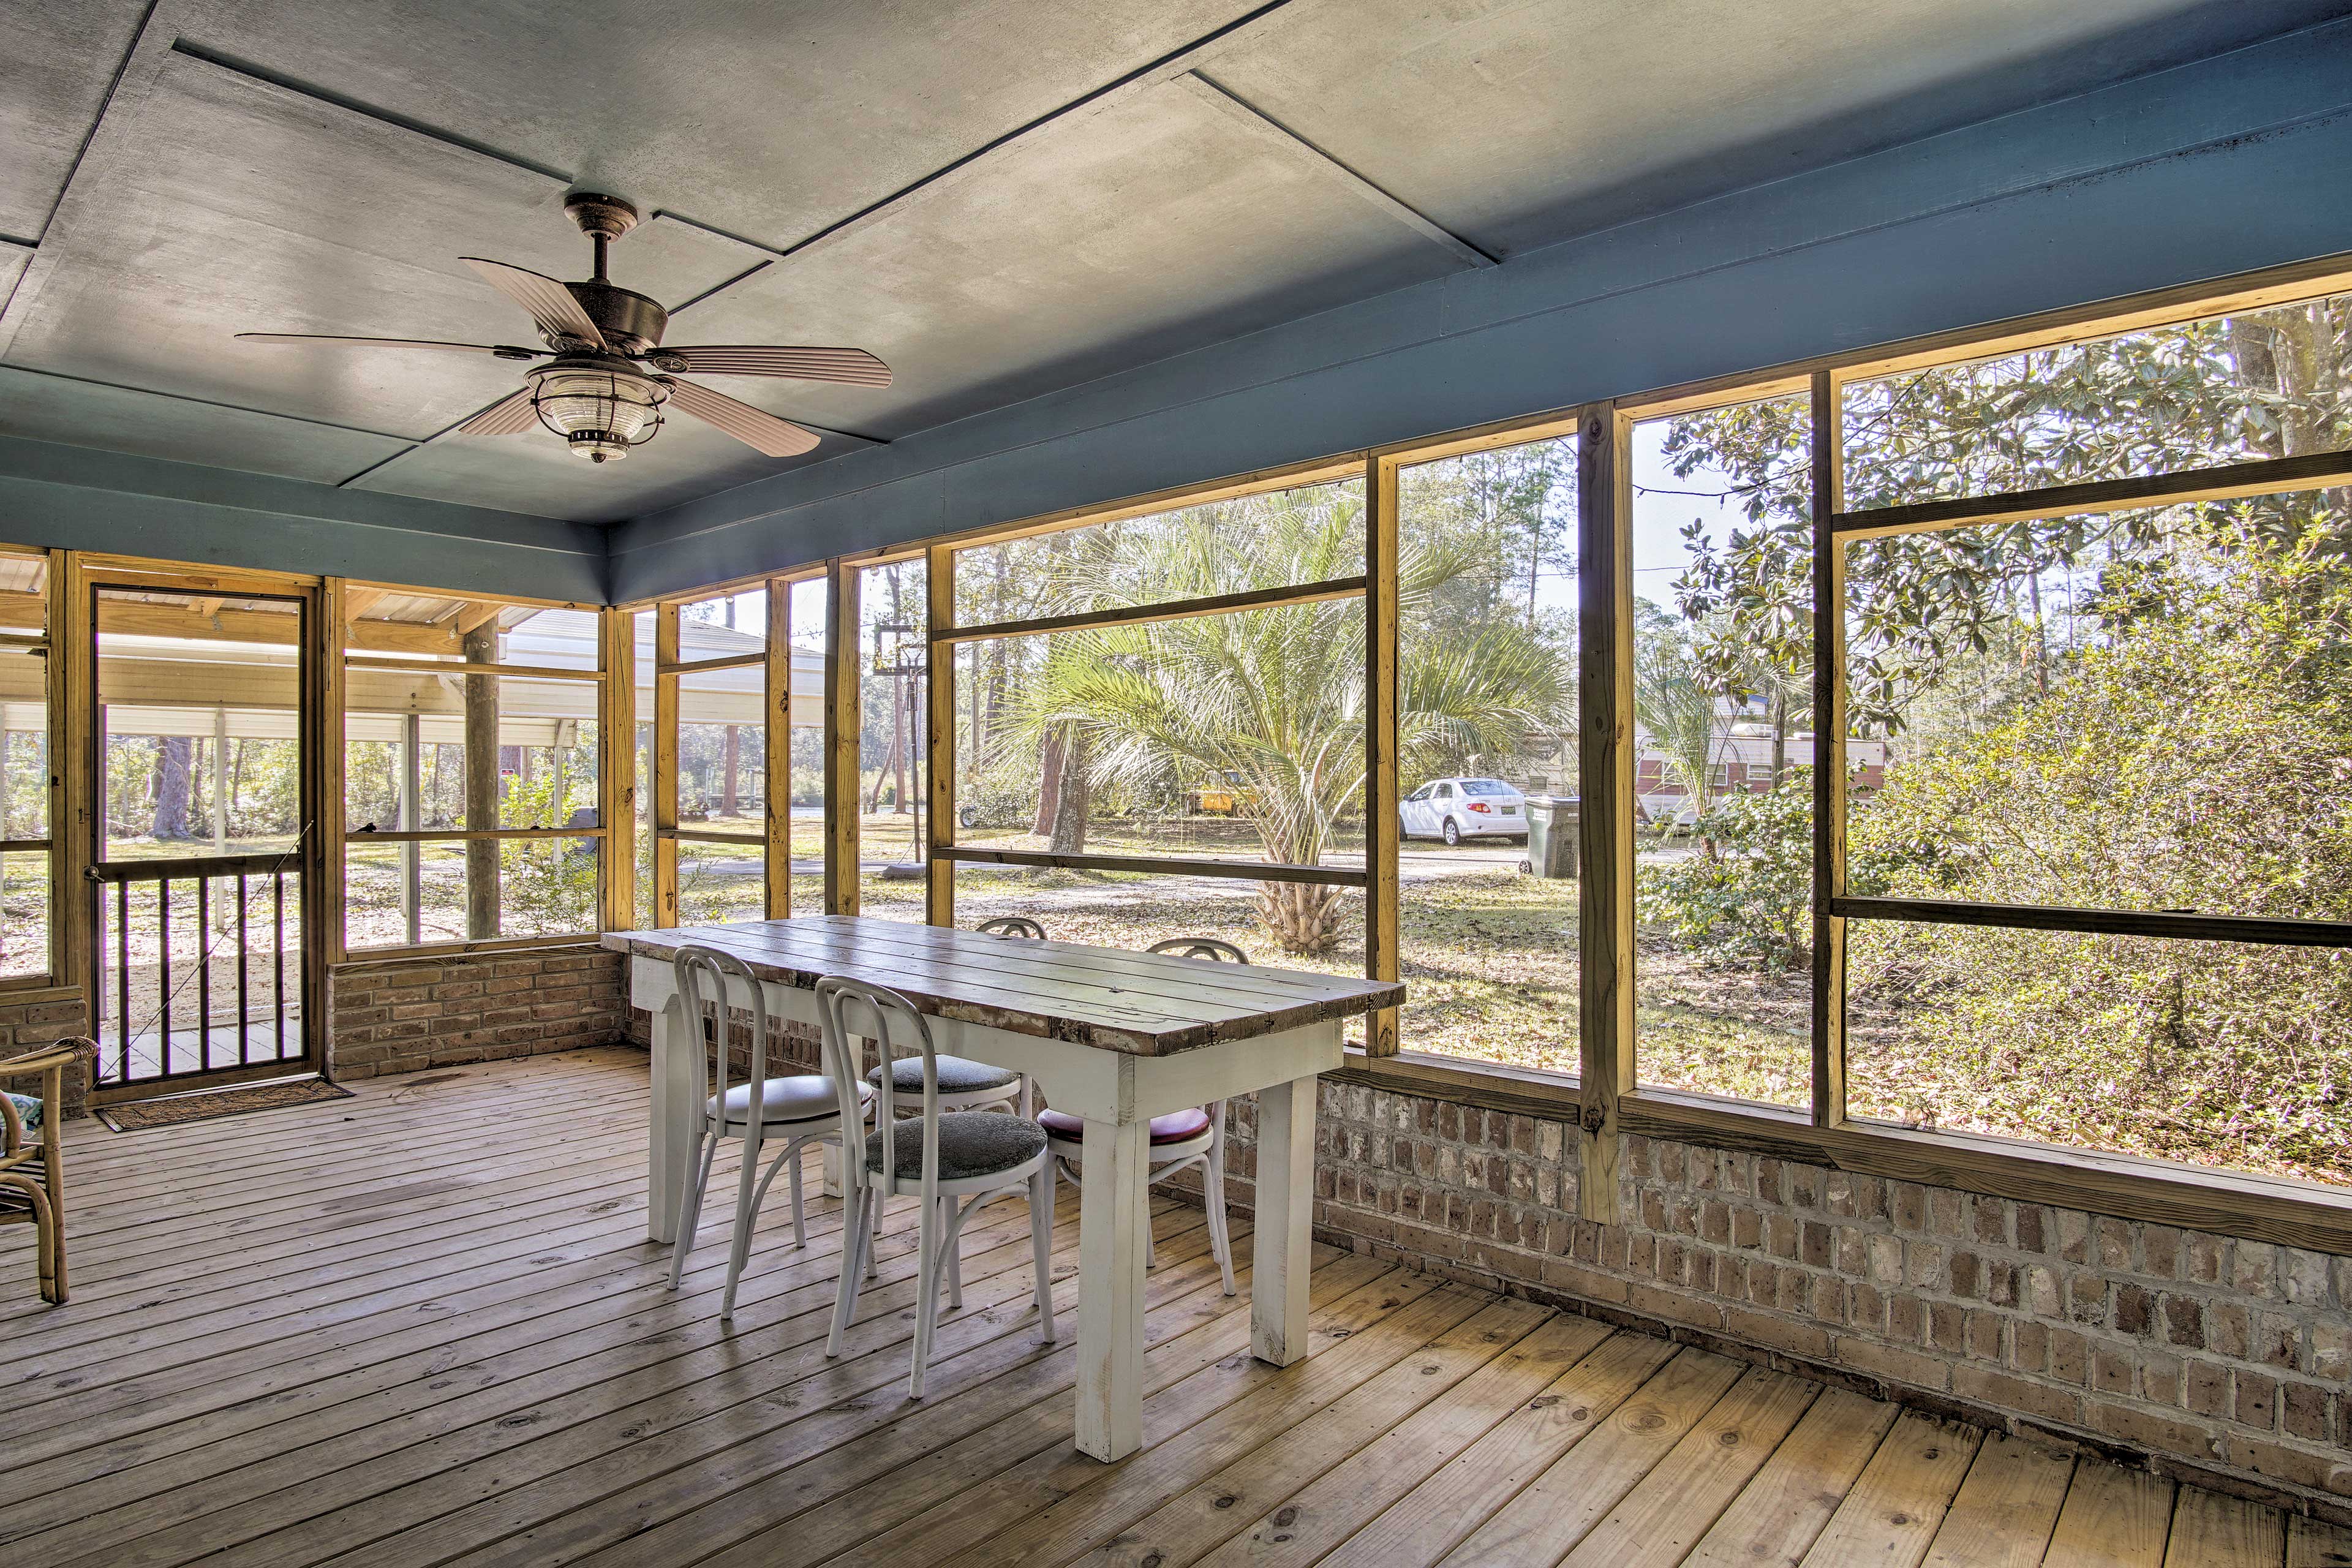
(170, 1112)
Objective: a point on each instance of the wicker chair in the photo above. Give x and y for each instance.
(32, 1180)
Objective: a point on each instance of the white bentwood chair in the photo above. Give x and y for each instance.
(1179, 1140)
(965, 1084)
(801, 1110)
(951, 1164)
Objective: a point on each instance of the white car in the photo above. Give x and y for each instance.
(1455, 809)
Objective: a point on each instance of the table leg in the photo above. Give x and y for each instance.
(1285, 1221)
(1112, 1215)
(671, 1135)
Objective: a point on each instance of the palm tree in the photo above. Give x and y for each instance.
(1273, 698)
(1678, 704)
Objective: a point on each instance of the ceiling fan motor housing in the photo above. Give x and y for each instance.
(630, 322)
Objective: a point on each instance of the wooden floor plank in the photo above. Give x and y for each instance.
(2114, 1518)
(185, 1470)
(622, 1306)
(813, 1510)
(2210, 1531)
(1895, 1509)
(1778, 1516)
(1302, 1528)
(1665, 1516)
(1196, 1383)
(2007, 1507)
(572, 1492)
(357, 1418)
(416, 1472)
(1189, 1526)
(1559, 1507)
(1430, 1520)
(1000, 1523)
(2314, 1543)
(422, 1328)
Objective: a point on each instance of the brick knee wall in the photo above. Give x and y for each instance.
(31, 1019)
(2215, 1359)
(397, 1014)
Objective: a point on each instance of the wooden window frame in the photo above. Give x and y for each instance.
(341, 650)
(1603, 1098)
(774, 660)
(1606, 1099)
(52, 980)
(1375, 588)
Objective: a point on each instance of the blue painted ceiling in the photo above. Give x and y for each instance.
(1001, 199)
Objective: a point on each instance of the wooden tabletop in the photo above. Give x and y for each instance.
(1140, 1003)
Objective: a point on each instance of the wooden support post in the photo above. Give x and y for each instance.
(322, 730)
(665, 765)
(842, 720)
(220, 778)
(412, 820)
(481, 645)
(1829, 754)
(616, 765)
(779, 761)
(1382, 933)
(1605, 562)
(939, 738)
(73, 776)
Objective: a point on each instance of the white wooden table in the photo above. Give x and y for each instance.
(1111, 1036)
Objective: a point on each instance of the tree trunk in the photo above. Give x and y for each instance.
(1302, 917)
(174, 757)
(1780, 734)
(1049, 782)
(1072, 802)
(481, 647)
(732, 751)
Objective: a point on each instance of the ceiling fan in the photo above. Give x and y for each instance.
(607, 379)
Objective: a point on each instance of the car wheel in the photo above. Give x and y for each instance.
(1527, 868)
(1404, 831)
(1452, 831)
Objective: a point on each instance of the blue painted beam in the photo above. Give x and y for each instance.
(84, 498)
(2220, 167)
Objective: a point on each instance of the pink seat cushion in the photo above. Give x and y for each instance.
(1173, 1128)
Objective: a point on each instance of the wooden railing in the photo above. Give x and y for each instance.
(247, 891)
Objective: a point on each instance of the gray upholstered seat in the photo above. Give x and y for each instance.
(972, 1143)
(787, 1100)
(957, 1075)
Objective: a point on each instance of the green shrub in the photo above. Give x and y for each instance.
(1744, 892)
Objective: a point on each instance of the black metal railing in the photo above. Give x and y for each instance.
(252, 894)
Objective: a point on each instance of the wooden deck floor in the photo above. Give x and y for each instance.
(422, 1327)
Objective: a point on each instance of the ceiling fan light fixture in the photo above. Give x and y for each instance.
(600, 412)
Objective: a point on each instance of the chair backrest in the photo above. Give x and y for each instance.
(847, 1011)
(1020, 926)
(702, 977)
(1214, 947)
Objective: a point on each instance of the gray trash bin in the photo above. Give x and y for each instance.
(1552, 836)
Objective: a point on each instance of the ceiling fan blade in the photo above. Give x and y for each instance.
(854, 366)
(502, 350)
(551, 304)
(509, 416)
(755, 427)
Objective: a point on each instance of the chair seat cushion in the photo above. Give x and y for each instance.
(1176, 1126)
(29, 1109)
(957, 1075)
(972, 1143)
(802, 1099)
